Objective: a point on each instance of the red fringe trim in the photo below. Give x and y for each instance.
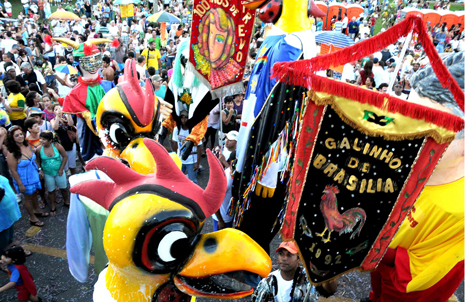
(300, 72)
(365, 96)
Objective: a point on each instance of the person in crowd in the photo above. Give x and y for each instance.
(39, 115)
(290, 282)
(8, 60)
(33, 76)
(52, 158)
(229, 115)
(365, 73)
(33, 131)
(16, 102)
(192, 163)
(171, 52)
(152, 56)
(383, 88)
(353, 28)
(345, 23)
(160, 86)
(380, 75)
(348, 75)
(398, 91)
(33, 100)
(63, 125)
(9, 210)
(141, 68)
(107, 71)
(20, 278)
(48, 106)
(213, 127)
(23, 166)
(222, 219)
(319, 26)
(12, 75)
(370, 83)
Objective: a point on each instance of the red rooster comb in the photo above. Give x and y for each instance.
(168, 182)
(115, 43)
(48, 39)
(139, 102)
(332, 188)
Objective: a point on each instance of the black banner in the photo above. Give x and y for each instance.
(352, 184)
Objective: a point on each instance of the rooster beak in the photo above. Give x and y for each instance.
(217, 253)
(253, 4)
(140, 159)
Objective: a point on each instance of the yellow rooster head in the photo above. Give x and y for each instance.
(152, 235)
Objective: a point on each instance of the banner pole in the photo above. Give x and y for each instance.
(400, 60)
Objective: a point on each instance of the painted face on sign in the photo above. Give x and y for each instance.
(216, 43)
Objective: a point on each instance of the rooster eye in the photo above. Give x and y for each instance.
(161, 247)
(118, 134)
(168, 242)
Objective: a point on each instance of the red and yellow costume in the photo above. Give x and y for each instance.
(425, 261)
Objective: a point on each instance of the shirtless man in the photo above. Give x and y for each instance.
(107, 70)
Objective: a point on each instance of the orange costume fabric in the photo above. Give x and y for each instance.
(425, 261)
(196, 134)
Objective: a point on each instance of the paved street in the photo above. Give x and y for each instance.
(49, 267)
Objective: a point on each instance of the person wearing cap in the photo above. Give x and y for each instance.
(222, 219)
(39, 115)
(398, 91)
(192, 163)
(160, 88)
(290, 282)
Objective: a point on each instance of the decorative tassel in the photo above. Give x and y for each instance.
(115, 43)
(48, 40)
(301, 72)
(89, 49)
(385, 101)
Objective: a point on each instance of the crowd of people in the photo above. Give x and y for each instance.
(40, 145)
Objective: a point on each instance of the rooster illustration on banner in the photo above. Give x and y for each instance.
(334, 221)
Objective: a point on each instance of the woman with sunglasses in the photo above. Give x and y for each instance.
(25, 172)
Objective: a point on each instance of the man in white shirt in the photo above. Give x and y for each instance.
(141, 67)
(192, 163)
(348, 74)
(6, 58)
(8, 42)
(380, 76)
(345, 23)
(113, 29)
